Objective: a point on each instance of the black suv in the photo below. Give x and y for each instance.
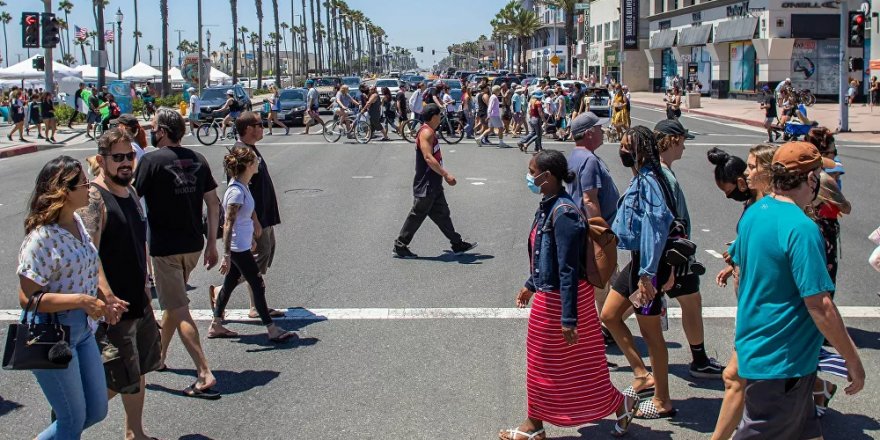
(213, 99)
(293, 106)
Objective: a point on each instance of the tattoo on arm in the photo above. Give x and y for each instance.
(93, 216)
(231, 213)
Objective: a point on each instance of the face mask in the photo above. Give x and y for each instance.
(153, 141)
(530, 182)
(627, 159)
(739, 195)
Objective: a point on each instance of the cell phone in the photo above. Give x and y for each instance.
(636, 299)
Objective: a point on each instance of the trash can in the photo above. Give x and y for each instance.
(693, 100)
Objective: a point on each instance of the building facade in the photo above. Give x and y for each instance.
(548, 41)
(598, 50)
(735, 47)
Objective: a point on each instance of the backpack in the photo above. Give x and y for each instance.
(114, 111)
(600, 255)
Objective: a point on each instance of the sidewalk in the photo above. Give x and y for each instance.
(862, 123)
(64, 136)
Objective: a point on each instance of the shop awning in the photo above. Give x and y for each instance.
(695, 35)
(736, 30)
(662, 39)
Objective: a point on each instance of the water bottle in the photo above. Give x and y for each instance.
(664, 320)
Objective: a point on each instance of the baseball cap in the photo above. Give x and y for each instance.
(584, 122)
(671, 127)
(309, 82)
(128, 120)
(800, 157)
(191, 89)
(230, 92)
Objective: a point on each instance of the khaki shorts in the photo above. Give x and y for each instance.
(171, 274)
(265, 252)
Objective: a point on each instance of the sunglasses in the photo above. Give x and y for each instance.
(120, 157)
(80, 185)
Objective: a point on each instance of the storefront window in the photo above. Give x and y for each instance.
(703, 59)
(743, 66)
(615, 30)
(669, 67)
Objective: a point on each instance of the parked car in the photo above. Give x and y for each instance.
(600, 101)
(413, 81)
(392, 84)
(505, 79)
(213, 98)
(352, 82)
(394, 74)
(326, 87)
(293, 106)
(452, 83)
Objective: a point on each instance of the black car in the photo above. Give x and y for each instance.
(414, 81)
(293, 106)
(213, 99)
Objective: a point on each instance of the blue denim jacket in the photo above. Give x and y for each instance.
(556, 257)
(643, 220)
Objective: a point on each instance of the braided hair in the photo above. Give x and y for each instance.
(643, 142)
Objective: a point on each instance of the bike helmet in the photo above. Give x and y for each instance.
(230, 92)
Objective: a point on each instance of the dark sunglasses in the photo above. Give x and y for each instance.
(119, 157)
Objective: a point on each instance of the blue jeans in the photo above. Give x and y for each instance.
(469, 127)
(77, 394)
(534, 134)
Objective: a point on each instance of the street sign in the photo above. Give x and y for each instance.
(546, 52)
(554, 60)
(581, 6)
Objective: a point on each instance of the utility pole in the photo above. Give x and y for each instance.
(199, 62)
(179, 40)
(48, 74)
(842, 68)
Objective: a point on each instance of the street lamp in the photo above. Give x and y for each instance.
(119, 18)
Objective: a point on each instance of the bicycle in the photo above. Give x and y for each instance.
(450, 129)
(208, 134)
(98, 128)
(148, 111)
(360, 127)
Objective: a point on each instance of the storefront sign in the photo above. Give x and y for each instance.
(630, 24)
(809, 5)
(611, 59)
(697, 17)
(665, 24)
(738, 10)
(593, 56)
(693, 73)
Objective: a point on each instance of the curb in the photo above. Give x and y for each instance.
(18, 150)
(703, 113)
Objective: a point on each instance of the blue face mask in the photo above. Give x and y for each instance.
(530, 181)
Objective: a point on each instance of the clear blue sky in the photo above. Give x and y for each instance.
(408, 23)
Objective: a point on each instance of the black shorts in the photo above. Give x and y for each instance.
(685, 285)
(627, 283)
(137, 351)
(779, 408)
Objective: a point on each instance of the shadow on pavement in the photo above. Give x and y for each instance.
(849, 426)
(697, 414)
(228, 382)
(195, 437)
(262, 342)
(683, 372)
(7, 406)
(449, 257)
(865, 338)
(604, 427)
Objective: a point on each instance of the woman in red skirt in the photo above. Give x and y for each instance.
(567, 377)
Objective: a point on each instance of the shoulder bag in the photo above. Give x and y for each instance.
(600, 256)
(32, 346)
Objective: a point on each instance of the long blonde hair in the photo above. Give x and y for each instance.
(54, 183)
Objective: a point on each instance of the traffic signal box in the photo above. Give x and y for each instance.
(39, 64)
(30, 30)
(51, 32)
(856, 29)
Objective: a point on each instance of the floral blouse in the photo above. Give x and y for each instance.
(53, 258)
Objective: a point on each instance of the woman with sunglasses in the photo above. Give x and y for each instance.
(238, 237)
(58, 261)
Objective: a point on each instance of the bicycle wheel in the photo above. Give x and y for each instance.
(410, 130)
(451, 131)
(97, 130)
(809, 99)
(362, 132)
(207, 134)
(146, 115)
(332, 131)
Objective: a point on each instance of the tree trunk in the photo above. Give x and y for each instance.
(259, 52)
(137, 46)
(163, 10)
(569, 31)
(234, 4)
(329, 40)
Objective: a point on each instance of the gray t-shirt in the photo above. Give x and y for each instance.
(243, 230)
(681, 205)
(312, 98)
(592, 173)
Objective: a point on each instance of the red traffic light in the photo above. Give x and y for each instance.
(859, 19)
(30, 20)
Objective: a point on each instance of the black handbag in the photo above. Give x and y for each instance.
(32, 346)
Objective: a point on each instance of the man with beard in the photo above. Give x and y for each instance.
(118, 228)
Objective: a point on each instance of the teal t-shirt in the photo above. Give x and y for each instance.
(781, 256)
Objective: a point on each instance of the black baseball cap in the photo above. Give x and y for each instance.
(671, 127)
(128, 120)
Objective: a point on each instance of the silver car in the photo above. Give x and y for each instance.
(600, 101)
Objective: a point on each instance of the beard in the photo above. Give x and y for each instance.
(121, 180)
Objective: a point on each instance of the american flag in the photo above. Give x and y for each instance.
(81, 33)
(108, 36)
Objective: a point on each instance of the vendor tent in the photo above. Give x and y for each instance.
(217, 75)
(90, 73)
(25, 71)
(175, 75)
(142, 72)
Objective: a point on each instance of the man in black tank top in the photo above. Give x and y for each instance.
(428, 190)
(118, 228)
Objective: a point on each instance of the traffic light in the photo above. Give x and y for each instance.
(856, 64)
(51, 31)
(432, 52)
(421, 49)
(39, 63)
(30, 30)
(856, 29)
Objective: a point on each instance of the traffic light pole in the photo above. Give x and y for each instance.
(843, 71)
(48, 74)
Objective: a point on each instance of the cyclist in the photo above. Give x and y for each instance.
(149, 102)
(344, 102)
(113, 111)
(234, 108)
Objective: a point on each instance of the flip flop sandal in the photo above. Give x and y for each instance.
(646, 393)
(226, 334)
(821, 409)
(649, 411)
(283, 337)
(194, 392)
(627, 417)
(162, 368)
(512, 433)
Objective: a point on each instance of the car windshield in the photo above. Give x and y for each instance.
(292, 95)
(323, 82)
(387, 83)
(213, 94)
(452, 83)
(455, 94)
(351, 81)
(416, 78)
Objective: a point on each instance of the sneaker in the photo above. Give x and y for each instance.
(402, 252)
(485, 141)
(463, 247)
(712, 370)
(287, 131)
(612, 366)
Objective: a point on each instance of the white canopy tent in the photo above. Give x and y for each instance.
(90, 73)
(219, 76)
(141, 72)
(174, 75)
(25, 71)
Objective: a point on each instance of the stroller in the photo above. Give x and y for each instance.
(800, 127)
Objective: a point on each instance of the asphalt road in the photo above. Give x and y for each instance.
(342, 206)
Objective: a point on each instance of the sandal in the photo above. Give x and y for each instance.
(534, 435)
(195, 392)
(282, 337)
(221, 334)
(647, 410)
(620, 429)
(821, 409)
(252, 314)
(643, 394)
(212, 296)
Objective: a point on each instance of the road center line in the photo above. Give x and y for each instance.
(301, 314)
(714, 253)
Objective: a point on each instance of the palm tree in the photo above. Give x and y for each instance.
(277, 41)
(314, 36)
(163, 11)
(150, 49)
(243, 31)
(223, 48)
(259, 53)
(137, 35)
(66, 6)
(234, 5)
(255, 42)
(285, 27)
(567, 7)
(5, 18)
(62, 26)
(329, 37)
(82, 43)
(305, 46)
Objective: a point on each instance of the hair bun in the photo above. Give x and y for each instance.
(717, 156)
